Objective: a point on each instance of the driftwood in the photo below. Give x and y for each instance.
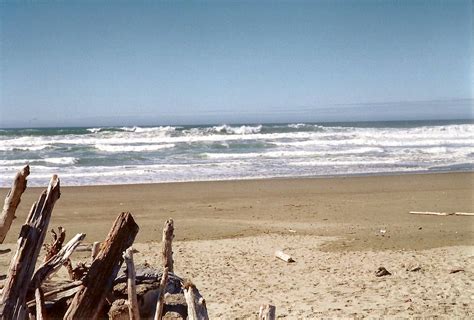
(167, 248)
(55, 247)
(133, 311)
(22, 266)
(88, 301)
(442, 213)
(266, 312)
(161, 295)
(431, 213)
(283, 256)
(196, 304)
(95, 250)
(55, 262)
(40, 307)
(464, 213)
(12, 201)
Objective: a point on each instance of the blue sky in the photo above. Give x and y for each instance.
(125, 63)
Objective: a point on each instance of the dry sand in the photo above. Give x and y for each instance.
(227, 232)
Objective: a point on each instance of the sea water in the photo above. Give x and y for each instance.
(121, 155)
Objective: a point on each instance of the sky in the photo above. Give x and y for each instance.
(144, 63)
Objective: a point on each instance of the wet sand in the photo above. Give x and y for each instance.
(352, 208)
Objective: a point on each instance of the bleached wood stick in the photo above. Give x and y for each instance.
(12, 201)
(464, 213)
(430, 213)
(95, 250)
(40, 307)
(133, 310)
(161, 295)
(283, 256)
(167, 247)
(266, 312)
(196, 304)
(55, 262)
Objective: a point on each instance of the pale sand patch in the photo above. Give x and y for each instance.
(237, 275)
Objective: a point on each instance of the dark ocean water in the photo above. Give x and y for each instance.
(115, 155)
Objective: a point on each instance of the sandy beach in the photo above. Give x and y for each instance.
(339, 231)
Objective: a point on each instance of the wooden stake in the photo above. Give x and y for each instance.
(196, 304)
(167, 248)
(133, 310)
(22, 266)
(161, 295)
(267, 312)
(283, 256)
(12, 201)
(40, 307)
(88, 301)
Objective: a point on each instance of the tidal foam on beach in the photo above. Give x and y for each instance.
(120, 155)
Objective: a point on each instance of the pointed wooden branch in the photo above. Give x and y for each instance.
(88, 301)
(196, 304)
(12, 201)
(55, 262)
(267, 312)
(167, 247)
(22, 266)
(133, 310)
(161, 295)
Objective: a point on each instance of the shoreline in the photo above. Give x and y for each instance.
(329, 176)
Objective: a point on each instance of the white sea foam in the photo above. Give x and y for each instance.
(132, 148)
(166, 153)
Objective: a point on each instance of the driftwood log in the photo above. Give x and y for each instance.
(12, 201)
(283, 256)
(88, 301)
(196, 304)
(161, 295)
(266, 312)
(22, 266)
(133, 310)
(167, 245)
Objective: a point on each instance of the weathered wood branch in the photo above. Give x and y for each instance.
(266, 312)
(133, 309)
(40, 307)
(283, 256)
(22, 266)
(196, 304)
(12, 201)
(161, 295)
(55, 262)
(58, 240)
(88, 301)
(167, 247)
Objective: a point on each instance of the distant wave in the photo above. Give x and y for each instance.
(132, 148)
(134, 154)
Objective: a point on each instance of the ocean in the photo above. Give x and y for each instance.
(124, 155)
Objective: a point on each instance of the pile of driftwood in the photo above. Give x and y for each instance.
(99, 288)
